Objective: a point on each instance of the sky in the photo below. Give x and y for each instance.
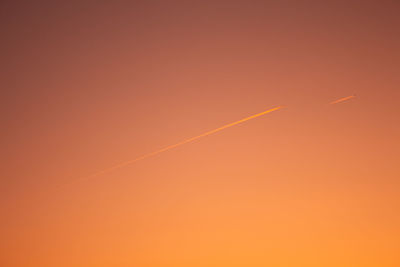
(87, 85)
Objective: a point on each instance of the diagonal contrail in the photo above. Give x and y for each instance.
(343, 99)
(123, 164)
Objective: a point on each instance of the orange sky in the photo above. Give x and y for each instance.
(87, 86)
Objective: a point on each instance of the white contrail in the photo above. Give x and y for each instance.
(343, 99)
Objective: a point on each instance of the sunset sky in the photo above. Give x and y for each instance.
(88, 85)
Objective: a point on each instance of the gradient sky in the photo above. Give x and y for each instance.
(89, 84)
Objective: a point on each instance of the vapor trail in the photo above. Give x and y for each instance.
(123, 164)
(342, 99)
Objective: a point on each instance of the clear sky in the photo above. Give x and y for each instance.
(87, 85)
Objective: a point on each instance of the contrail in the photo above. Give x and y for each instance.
(123, 164)
(342, 99)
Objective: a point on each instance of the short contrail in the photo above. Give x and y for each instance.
(343, 99)
(183, 142)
